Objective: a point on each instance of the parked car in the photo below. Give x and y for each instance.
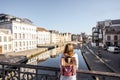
(113, 49)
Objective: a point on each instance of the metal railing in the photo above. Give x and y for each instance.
(15, 71)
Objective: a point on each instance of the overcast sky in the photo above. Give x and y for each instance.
(74, 16)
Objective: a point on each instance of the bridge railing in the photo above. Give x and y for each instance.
(14, 71)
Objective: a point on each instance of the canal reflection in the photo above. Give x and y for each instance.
(45, 55)
(55, 61)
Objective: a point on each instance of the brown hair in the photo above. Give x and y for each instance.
(69, 50)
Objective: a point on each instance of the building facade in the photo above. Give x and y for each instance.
(53, 37)
(77, 37)
(106, 33)
(67, 37)
(20, 34)
(5, 41)
(112, 33)
(23, 32)
(43, 36)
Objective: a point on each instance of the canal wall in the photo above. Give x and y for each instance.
(15, 57)
(86, 61)
(34, 60)
(20, 57)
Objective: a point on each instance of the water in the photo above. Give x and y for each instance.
(55, 62)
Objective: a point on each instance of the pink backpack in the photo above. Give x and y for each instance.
(67, 69)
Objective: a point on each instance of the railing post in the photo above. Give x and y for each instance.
(58, 76)
(19, 72)
(3, 72)
(36, 74)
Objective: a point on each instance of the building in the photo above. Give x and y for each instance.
(5, 41)
(67, 37)
(112, 33)
(76, 37)
(23, 32)
(106, 33)
(61, 38)
(53, 37)
(43, 36)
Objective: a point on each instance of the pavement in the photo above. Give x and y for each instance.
(96, 63)
(112, 59)
(14, 57)
(93, 61)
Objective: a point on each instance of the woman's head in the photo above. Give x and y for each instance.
(69, 50)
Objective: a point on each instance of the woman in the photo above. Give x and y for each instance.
(68, 63)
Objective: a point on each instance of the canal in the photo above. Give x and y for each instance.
(55, 62)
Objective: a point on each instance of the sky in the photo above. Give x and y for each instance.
(73, 16)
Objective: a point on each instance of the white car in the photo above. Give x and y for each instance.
(113, 49)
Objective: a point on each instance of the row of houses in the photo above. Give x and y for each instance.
(20, 34)
(106, 33)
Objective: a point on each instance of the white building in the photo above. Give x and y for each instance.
(5, 41)
(67, 37)
(43, 36)
(23, 31)
(53, 37)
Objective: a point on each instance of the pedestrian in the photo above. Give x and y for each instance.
(68, 63)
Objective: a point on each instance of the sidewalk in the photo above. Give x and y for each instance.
(27, 53)
(111, 59)
(14, 57)
(95, 64)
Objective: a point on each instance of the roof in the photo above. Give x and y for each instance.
(13, 18)
(117, 21)
(41, 29)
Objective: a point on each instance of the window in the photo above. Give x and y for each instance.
(23, 36)
(15, 44)
(9, 46)
(108, 43)
(0, 38)
(23, 43)
(108, 37)
(20, 43)
(5, 39)
(5, 47)
(15, 27)
(15, 35)
(116, 43)
(9, 38)
(19, 36)
(115, 37)
(27, 43)
(23, 28)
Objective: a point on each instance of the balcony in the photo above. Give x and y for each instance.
(14, 71)
(95, 38)
(96, 34)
